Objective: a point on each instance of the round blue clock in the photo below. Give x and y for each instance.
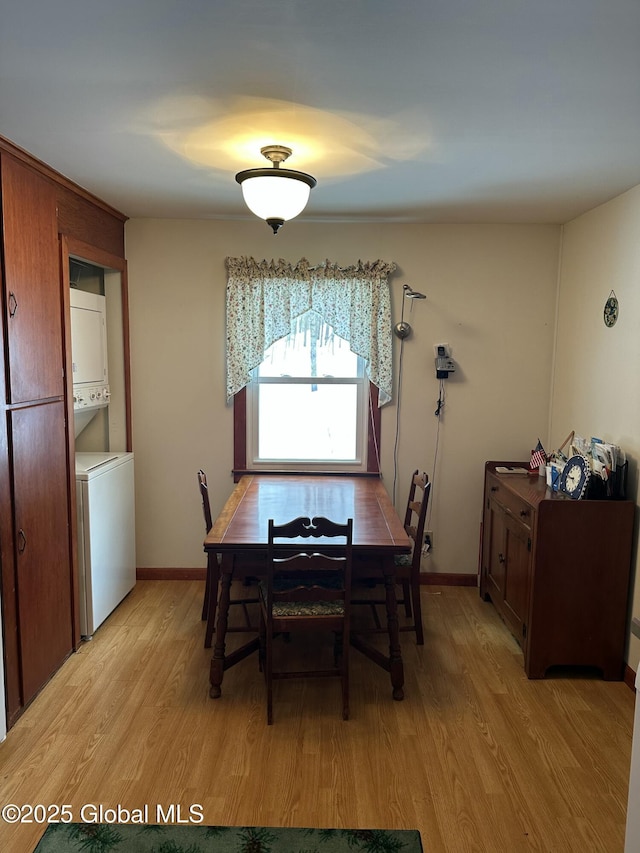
(575, 476)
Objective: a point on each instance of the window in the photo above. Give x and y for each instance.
(342, 315)
(307, 403)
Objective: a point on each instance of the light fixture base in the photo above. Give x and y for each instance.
(276, 154)
(275, 224)
(402, 330)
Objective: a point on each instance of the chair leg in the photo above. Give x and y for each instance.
(247, 618)
(406, 594)
(268, 673)
(207, 593)
(345, 677)
(262, 643)
(213, 582)
(417, 611)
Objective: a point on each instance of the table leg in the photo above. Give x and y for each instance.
(217, 661)
(211, 597)
(396, 668)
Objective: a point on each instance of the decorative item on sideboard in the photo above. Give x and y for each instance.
(590, 469)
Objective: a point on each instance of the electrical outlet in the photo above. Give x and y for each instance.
(428, 539)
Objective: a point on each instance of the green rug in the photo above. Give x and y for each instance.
(131, 838)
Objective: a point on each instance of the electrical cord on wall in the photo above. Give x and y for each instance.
(440, 404)
(438, 414)
(395, 446)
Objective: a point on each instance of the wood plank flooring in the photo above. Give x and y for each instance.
(477, 757)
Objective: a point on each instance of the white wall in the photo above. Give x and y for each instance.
(596, 390)
(491, 295)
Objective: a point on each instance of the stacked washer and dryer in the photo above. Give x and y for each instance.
(104, 479)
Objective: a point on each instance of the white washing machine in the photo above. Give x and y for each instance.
(106, 534)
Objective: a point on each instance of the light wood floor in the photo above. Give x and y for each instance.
(477, 757)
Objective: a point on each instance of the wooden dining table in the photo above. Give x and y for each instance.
(239, 536)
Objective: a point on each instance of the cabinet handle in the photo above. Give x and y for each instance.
(524, 513)
(494, 488)
(13, 304)
(22, 541)
(501, 558)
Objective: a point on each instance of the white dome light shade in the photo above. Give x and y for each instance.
(275, 194)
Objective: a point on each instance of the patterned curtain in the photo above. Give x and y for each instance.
(265, 299)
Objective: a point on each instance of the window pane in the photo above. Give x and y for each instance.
(313, 349)
(308, 422)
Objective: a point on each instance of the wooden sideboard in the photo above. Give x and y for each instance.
(557, 571)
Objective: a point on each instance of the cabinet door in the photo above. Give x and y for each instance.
(518, 568)
(32, 284)
(494, 551)
(43, 571)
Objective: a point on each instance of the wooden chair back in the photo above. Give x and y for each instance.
(307, 587)
(408, 571)
(416, 513)
(204, 494)
(321, 573)
(407, 566)
(209, 604)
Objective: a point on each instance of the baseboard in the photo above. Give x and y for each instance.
(171, 574)
(430, 578)
(447, 579)
(629, 677)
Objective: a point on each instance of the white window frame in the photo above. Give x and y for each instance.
(359, 464)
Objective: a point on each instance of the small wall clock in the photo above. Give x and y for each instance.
(611, 310)
(575, 476)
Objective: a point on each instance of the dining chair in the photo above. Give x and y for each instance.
(213, 577)
(307, 588)
(407, 566)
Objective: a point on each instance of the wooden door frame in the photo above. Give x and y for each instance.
(70, 246)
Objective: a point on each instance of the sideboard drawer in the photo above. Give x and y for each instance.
(512, 504)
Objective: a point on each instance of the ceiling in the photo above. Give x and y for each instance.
(404, 111)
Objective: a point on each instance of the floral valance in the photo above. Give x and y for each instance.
(265, 298)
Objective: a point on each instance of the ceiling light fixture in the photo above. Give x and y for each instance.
(275, 194)
(402, 329)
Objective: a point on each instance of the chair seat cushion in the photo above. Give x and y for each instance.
(308, 608)
(303, 608)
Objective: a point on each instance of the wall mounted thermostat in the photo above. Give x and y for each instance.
(444, 363)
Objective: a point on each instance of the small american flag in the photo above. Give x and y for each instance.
(538, 457)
